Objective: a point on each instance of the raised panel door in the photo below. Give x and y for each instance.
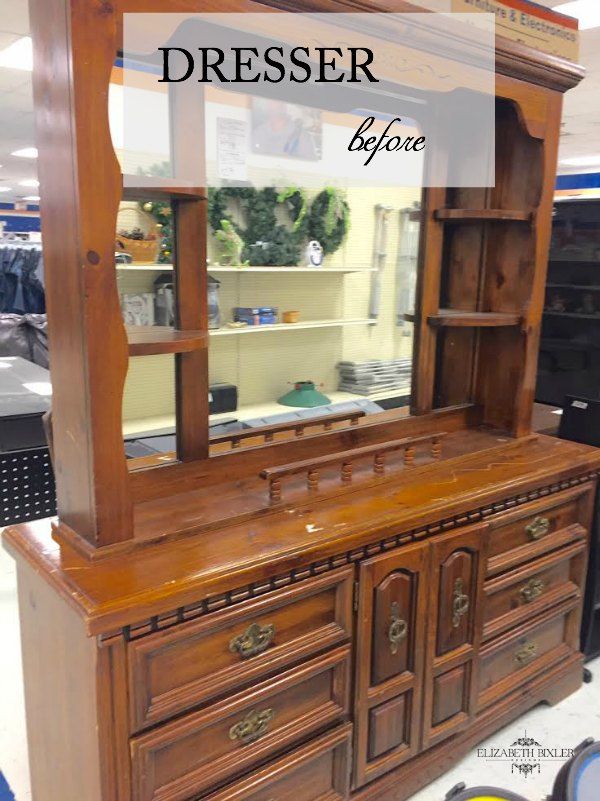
(390, 651)
(454, 632)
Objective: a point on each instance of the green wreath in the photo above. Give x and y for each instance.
(266, 240)
(329, 219)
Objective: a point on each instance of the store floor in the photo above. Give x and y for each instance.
(563, 726)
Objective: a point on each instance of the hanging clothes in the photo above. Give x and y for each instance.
(22, 279)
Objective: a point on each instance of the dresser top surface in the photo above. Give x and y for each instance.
(122, 587)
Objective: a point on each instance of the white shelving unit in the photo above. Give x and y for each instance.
(249, 270)
(264, 329)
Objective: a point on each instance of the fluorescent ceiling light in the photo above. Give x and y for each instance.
(18, 55)
(586, 11)
(5, 188)
(30, 182)
(582, 161)
(33, 198)
(26, 153)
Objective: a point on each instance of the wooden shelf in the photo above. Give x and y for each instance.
(154, 340)
(265, 329)
(140, 187)
(249, 270)
(452, 318)
(482, 215)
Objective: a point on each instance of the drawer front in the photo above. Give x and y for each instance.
(179, 760)
(513, 659)
(517, 596)
(538, 527)
(173, 671)
(318, 771)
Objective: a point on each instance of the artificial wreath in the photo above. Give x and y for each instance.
(266, 240)
(329, 219)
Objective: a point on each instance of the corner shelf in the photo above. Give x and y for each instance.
(482, 215)
(453, 318)
(154, 340)
(265, 329)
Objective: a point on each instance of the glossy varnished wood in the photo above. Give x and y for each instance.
(116, 591)
(178, 669)
(191, 754)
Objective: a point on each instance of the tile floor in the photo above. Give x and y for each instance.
(563, 726)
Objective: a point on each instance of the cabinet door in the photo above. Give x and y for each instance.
(389, 664)
(454, 632)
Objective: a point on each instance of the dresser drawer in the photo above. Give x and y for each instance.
(513, 598)
(318, 771)
(538, 527)
(181, 759)
(514, 658)
(175, 670)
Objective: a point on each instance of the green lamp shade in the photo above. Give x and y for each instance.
(304, 394)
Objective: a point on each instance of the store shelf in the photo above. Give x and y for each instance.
(248, 270)
(155, 340)
(141, 187)
(482, 215)
(591, 288)
(453, 318)
(265, 329)
(573, 315)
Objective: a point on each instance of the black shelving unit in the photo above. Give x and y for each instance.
(569, 362)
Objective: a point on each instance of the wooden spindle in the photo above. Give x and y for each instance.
(354, 420)
(327, 426)
(436, 448)
(312, 480)
(235, 442)
(409, 455)
(275, 490)
(346, 472)
(379, 464)
(299, 431)
(269, 437)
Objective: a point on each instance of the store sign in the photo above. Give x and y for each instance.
(530, 24)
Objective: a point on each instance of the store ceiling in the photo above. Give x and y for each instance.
(580, 132)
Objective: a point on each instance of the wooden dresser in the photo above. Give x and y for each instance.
(323, 611)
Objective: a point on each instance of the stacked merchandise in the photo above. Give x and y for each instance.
(375, 377)
(261, 315)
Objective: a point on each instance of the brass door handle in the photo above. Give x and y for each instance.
(527, 653)
(253, 641)
(398, 628)
(460, 603)
(251, 727)
(538, 528)
(532, 590)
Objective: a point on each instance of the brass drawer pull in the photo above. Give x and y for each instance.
(526, 654)
(532, 590)
(538, 528)
(253, 641)
(460, 603)
(398, 628)
(251, 727)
